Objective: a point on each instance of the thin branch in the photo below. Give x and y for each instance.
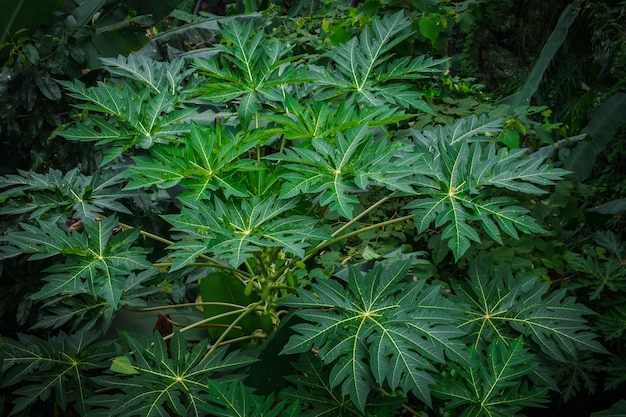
(326, 243)
(363, 213)
(202, 323)
(219, 341)
(174, 306)
(406, 407)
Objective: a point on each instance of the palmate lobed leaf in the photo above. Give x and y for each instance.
(98, 129)
(502, 307)
(359, 67)
(601, 275)
(357, 58)
(394, 95)
(612, 324)
(162, 379)
(235, 229)
(139, 109)
(55, 193)
(81, 312)
(407, 68)
(250, 70)
(464, 173)
(209, 160)
(472, 128)
(496, 385)
(58, 366)
(382, 330)
(321, 120)
(103, 97)
(158, 76)
(336, 170)
(96, 262)
(45, 240)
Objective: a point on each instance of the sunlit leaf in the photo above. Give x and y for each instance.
(382, 329)
(157, 378)
(359, 69)
(235, 231)
(340, 168)
(209, 161)
(467, 175)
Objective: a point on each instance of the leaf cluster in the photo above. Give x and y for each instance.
(144, 103)
(493, 388)
(53, 195)
(94, 274)
(235, 232)
(387, 331)
(503, 307)
(463, 175)
(253, 165)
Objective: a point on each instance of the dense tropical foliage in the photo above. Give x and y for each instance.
(312, 208)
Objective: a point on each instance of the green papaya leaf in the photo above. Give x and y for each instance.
(379, 330)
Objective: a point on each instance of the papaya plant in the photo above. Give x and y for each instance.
(182, 276)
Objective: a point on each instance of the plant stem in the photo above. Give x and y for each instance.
(406, 407)
(219, 341)
(248, 337)
(234, 271)
(173, 306)
(363, 213)
(200, 323)
(326, 243)
(147, 234)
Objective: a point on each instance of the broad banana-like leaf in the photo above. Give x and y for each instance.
(618, 409)
(522, 97)
(612, 207)
(607, 119)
